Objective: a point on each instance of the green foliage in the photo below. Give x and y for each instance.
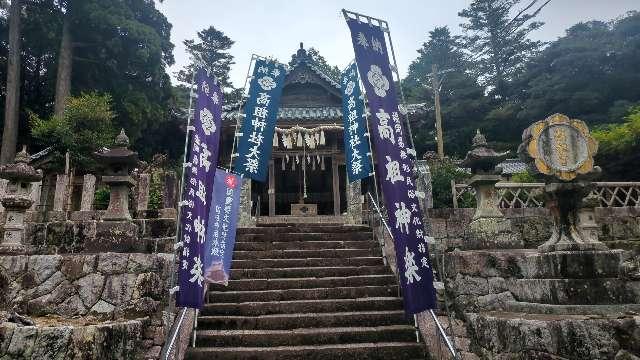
(211, 49)
(620, 138)
(523, 177)
(441, 176)
(462, 98)
(498, 43)
(101, 198)
(85, 127)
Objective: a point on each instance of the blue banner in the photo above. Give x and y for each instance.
(221, 232)
(261, 112)
(198, 186)
(394, 167)
(356, 145)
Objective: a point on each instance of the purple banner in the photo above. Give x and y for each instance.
(394, 168)
(221, 232)
(198, 186)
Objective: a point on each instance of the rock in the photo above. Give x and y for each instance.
(90, 288)
(139, 263)
(495, 301)
(43, 266)
(102, 307)
(51, 343)
(71, 307)
(119, 288)
(47, 286)
(77, 266)
(22, 342)
(112, 263)
(148, 284)
(625, 355)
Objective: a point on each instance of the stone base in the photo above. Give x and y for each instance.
(115, 236)
(84, 215)
(13, 249)
(56, 216)
(492, 233)
(503, 335)
(572, 246)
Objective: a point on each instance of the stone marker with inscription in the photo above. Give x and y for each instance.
(561, 150)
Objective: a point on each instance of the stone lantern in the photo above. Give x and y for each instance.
(17, 199)
(119, 162)
(488, 228)
(483, 160)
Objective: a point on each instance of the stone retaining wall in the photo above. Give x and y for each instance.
(109, 284)
(117, 340)
(619, 227)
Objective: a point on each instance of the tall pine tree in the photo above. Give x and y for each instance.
(212, 50)
(499, 44)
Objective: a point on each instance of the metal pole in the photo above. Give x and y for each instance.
(452, 350)
(239, 112)
(184, 161)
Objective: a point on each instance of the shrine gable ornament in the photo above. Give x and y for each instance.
(559, 147)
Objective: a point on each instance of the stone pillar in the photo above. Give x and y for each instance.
(3, 188)
(272, 188)
(423, 185)
(354, 202)
(587, 219)
(142, 199)
(62, 193)
(336, 186)
(246, 219)
(88, 192)
(36, 192)
(169, 190)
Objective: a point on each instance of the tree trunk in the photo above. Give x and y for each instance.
(11, 110)
(65, 61)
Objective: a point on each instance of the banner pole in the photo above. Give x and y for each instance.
(179, 212)
(239, 112)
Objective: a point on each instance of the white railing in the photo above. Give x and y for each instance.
(530, 195)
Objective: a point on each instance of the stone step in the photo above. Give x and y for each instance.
(327, 271)
(305, 254)
(301, 306)
(521, 336)
(306, 283)
(304, 245)
(360, 351)
(302, 294)
(311, 262)
(303, 320)
(310, 236)
(303, 228)
(313, 336)
(575, 291)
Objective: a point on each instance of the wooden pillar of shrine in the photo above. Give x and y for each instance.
(272, 188)
(336, 186)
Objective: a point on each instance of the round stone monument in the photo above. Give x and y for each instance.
(561, 150)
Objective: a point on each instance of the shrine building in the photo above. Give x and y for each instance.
(307, 171)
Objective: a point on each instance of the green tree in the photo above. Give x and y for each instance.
(85, 127)
(498, 43)
(211, 49)
(591, 73)
(462, 98)
(619, 148)
(317, 60)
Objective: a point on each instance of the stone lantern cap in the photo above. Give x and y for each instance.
(120, 154)
(482, 158)
(20, 170)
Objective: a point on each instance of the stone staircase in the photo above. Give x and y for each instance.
(302, 291)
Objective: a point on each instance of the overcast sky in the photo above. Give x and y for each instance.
(276, 27)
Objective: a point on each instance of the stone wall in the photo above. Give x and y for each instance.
(619, 227)
(117, 340)
(105, 289)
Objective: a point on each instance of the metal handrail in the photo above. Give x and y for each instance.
(433, 315)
